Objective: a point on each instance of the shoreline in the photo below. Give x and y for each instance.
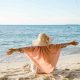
(21, 57)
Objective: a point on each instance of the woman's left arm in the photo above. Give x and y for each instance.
(21, 50)
(12, 50)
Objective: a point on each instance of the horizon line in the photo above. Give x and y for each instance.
(38, 24)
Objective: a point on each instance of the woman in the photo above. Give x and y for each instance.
(43, 53)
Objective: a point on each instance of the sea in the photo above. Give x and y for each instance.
(16, 36)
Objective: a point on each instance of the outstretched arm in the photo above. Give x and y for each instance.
(74, 43)
(21, 50)
(12, 50)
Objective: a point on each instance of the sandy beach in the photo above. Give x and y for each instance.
(68, 68)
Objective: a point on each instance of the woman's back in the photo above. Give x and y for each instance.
(44, 57)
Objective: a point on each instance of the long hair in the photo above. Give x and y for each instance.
(43, 38)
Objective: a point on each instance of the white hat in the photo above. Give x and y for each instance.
(42, 40)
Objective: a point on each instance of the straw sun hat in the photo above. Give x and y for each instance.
(42, 40)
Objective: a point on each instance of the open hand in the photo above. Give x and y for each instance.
(10, 51)
(74, 43)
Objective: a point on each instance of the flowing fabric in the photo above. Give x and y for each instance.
(44, 57)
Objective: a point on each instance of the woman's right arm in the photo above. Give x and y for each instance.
(62, 45)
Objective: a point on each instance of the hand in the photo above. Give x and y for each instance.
(10, 51)
(74, 43)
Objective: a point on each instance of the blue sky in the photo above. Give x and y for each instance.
(39, 11)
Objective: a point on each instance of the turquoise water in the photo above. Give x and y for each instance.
(22, 35)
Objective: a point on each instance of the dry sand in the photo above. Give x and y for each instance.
(68, 68)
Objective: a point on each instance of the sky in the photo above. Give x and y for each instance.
(43, 12)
